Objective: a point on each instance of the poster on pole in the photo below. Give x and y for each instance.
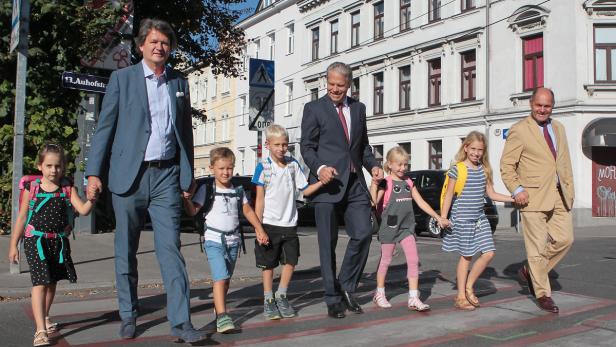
(261, 94)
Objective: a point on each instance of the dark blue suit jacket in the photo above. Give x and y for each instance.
(124, 127)
(323, 142)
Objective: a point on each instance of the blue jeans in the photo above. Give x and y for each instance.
(221, 267)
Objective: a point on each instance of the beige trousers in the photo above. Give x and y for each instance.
(547, 237)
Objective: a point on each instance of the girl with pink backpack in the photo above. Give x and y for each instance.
(394, 197)
(45, 221)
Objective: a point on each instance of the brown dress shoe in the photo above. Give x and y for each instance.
(547, 304)
(524, 276)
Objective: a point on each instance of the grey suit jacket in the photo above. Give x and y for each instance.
(323, 142)
(124, 127)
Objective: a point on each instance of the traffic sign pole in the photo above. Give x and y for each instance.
(18, 126)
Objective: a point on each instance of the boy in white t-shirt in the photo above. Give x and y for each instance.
(278, 179)
(222, 237)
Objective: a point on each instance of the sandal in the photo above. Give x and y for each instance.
(51, 327)
(416, 305)
(470, 297)
(463, 304)
(41, 338)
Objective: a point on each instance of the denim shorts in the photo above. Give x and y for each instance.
(221, 267)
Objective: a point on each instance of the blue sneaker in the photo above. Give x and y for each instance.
(270, 310)
(224, 324)
(285, 308)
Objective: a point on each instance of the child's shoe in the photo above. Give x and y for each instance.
(270, 310)
(224, 323)
(416, 304)
(380, 300)
(41, 338)
(284, 307)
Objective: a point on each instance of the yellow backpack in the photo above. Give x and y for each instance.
(460, 181)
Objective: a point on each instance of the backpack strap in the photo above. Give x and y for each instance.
(388, 189)
(462, 173)
(267, 171)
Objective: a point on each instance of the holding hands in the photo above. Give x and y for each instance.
(262, 237)
(521, 199)
(94, 188)
(443, 223)
(326, 174)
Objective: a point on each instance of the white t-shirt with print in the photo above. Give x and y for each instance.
(223, 215)
(281, 192)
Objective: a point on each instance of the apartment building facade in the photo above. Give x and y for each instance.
(430, 71)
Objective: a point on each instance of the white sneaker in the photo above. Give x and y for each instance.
(416, 304)
(380, 300)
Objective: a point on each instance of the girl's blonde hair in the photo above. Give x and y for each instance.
(397, 154)
(470, 138)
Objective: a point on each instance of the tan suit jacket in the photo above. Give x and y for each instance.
(528, 162)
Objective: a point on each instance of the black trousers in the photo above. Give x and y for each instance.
(355, 206)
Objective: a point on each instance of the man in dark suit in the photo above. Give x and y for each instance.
(335, 147)
(144, 135)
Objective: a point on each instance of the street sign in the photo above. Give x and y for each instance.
(505, 133)
(261, 94)
(15, 25)
(89, 83)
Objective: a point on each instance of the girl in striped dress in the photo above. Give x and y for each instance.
(471, 230)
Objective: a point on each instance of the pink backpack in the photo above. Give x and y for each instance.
(388, 189)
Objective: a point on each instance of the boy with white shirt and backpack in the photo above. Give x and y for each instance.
(278, 179)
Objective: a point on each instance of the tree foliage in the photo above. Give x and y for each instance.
(62, 32)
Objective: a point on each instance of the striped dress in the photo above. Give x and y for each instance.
(471, 230)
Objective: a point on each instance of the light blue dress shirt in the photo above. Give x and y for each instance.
(162, 142)
(520, 189)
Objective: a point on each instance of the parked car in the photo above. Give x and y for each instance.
(305, 215)
(429, 183)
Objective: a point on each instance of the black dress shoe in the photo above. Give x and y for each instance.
(524, 277)
(335, 310)
(351, 303)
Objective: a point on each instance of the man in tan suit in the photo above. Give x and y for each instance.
(536, 168)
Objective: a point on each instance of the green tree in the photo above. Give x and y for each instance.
(62, 32)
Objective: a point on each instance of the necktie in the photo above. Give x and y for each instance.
(343, 121)
(345, 128)
(548, 139)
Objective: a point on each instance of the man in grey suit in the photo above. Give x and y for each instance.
(144, 136)
(335, 147)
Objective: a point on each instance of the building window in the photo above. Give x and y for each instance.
(378, 93)
(405, 87)
(203, 90)
(407, 148)
(377, 150)
(355, 29)
(315, 44)
(213, 130)
(245, 60)
(242, 109)
(533, 62)
(290, 38)
(224, 136)
(257, 48)
(214, 87)
(355, 88)
(434, 82)
(469, 75)
(334, 37)
(379, 20)
(434, 10)
(289, 98)
(272, 47)
(226, 85)
(605, 54)
(467, 5)
(435, 155)
(314, 94)
(405, 15)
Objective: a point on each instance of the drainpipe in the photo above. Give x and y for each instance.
(487, 72)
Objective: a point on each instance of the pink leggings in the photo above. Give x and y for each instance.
(410, 251)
